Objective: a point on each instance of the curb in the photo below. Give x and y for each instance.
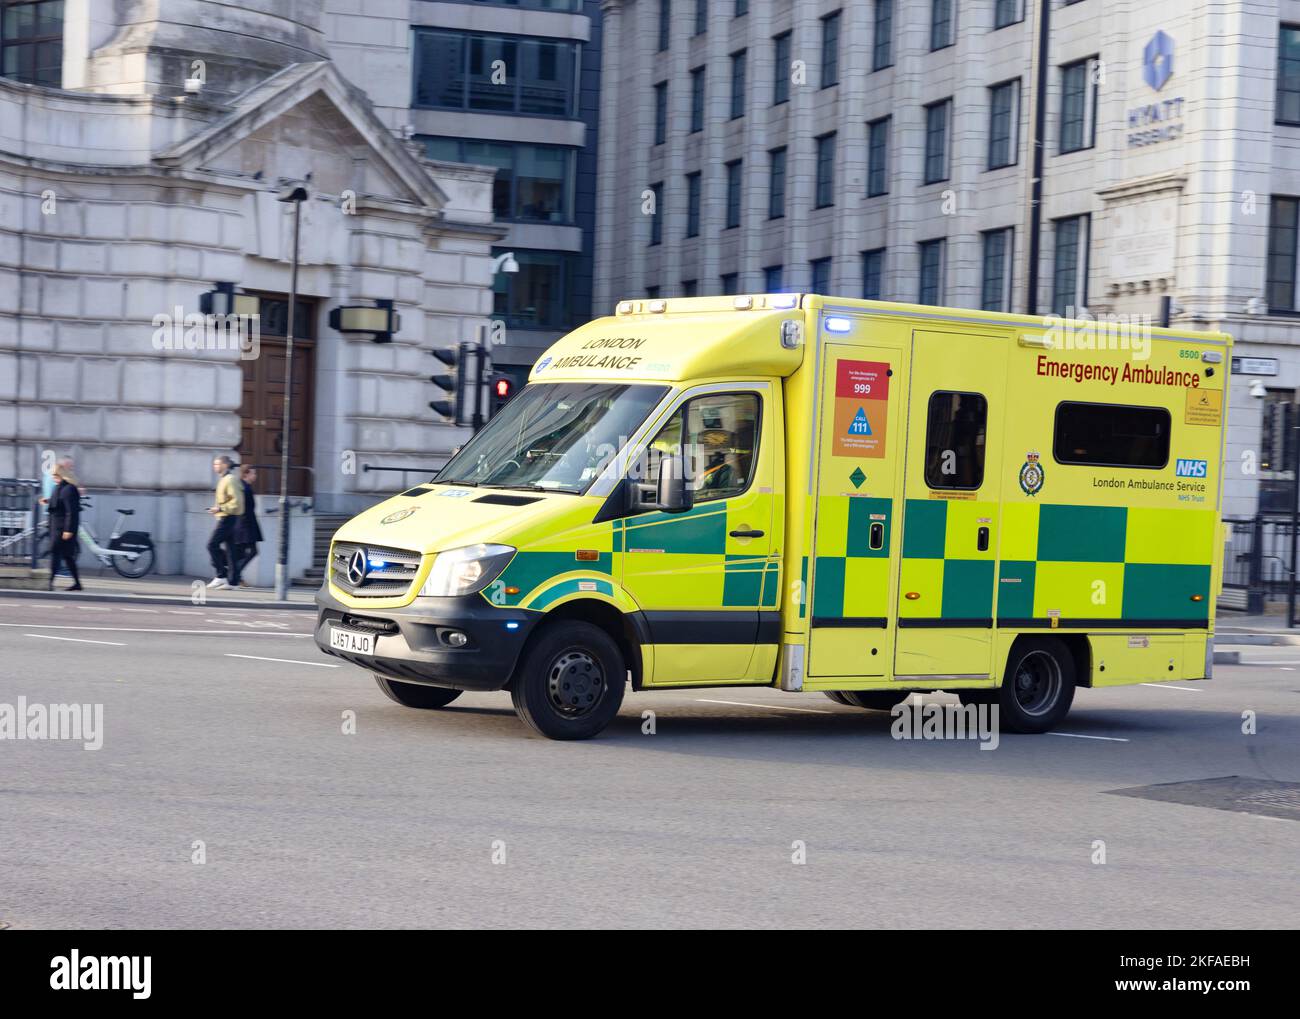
(158, 599)
(1227, 658)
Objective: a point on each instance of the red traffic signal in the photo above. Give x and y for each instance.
(503, 387)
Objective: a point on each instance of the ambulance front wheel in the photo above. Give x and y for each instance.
(873, 700)
(1038, 689)
(570, 682)
(415, 695)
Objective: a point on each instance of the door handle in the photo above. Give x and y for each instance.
(876, 537)
(747, 534)
(982, 539)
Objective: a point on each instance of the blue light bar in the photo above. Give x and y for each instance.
(839, 325)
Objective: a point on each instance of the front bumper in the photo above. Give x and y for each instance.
(410, 644)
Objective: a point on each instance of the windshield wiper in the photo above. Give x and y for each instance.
(467, 484)
(534, 488)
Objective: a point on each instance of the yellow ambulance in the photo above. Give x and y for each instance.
(816, 494)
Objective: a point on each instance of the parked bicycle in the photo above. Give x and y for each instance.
(129, 553)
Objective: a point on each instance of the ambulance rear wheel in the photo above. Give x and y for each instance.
(415, 695)
(570, 682)
(836, 695)
(874, 700)
(1038, 688)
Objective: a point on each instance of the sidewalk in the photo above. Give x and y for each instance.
(156, 591)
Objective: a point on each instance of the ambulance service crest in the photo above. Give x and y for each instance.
(1031, 474)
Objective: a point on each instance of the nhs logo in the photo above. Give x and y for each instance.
(1191, 468)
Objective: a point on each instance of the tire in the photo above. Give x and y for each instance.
(570, 682)
(836, 695)
(415, 695)
(1038, 689)
(874, 700)
(137, 568)
(977, 696)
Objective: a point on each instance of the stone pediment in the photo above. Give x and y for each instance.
(307, 119)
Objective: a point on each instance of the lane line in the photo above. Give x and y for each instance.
(1170, 686)
(94, 608)
(768, 707)
(148, 629)
(1076, 735)
(78, 640)
(286, 661)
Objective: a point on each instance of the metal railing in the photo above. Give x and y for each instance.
(21, 520)
(1257, 561)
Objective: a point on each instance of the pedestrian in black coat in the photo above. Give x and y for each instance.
(248, 533)
(65, 519)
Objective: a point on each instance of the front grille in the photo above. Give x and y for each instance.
(389, 571)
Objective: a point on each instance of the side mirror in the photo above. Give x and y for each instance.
(674, 495)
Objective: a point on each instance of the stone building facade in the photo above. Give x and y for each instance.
(128, 193)
(887, 149)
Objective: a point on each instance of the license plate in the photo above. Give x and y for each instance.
(351, 641)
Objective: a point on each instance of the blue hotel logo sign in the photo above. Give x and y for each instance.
(1160, 121)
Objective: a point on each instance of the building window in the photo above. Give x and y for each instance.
(701, 16)
(730, 283)
(539, 295)
(1070, 271)
(738, 62)
(772, 279)
(692, 205)
(742, 8)
(1277, 451)
(534, 183)
(954, 440)
(825, 194)
(459, 71)
(31, 43)
(995, 287)
(734, 178)
(873, 274)
(820, 271)
(1004, 118)
(665, 23)
(941, 24)
(776, 184)
(1111, 435)
(657, 217)
(1007, 12)
(697, 100)
(878, 157)
(690, 288)
(831, 50)
(936, 142)
(1078, 105)
(652, 293)
(882, 37)
(931, 290)
(1283, 231)
(661, 113)
(781, 69)
(1288, 75)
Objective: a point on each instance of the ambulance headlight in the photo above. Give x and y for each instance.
(465, 570)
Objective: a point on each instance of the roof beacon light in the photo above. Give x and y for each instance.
(743, 303)
(839, 325)
(784, 301)
(624, 308)
(657, 307)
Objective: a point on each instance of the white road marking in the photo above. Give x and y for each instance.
(94, 608)
(150, 629)
(78, 640)
(148, 612)
(1170, 686)
(1076, 735)
(769, 707)
(286, 661)
(183, 612)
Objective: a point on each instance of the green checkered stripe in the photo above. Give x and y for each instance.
(850, 579)
(1076, 552)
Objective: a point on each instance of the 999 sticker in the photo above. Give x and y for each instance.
(861, 408)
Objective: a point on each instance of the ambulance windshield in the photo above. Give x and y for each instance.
(554, 437)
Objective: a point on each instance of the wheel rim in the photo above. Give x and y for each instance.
(1037, 683)
(575, 683)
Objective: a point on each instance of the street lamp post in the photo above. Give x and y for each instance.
(297, 194)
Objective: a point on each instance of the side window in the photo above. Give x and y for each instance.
(1109, 435)
(718, 446)
(954, 440)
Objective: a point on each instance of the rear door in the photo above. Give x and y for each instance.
(951, 506)
(855, 531)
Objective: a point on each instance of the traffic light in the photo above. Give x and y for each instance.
(449, 382)
(500, 388)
